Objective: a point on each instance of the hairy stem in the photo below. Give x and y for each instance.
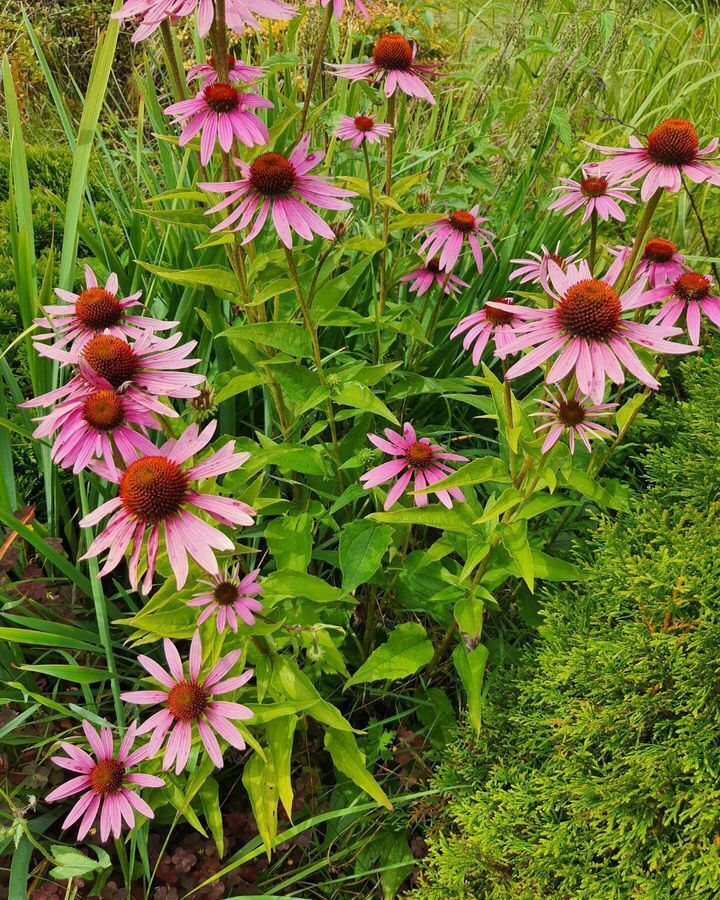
(172, 60)
(316, 63)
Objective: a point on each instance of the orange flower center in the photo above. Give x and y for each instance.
(187, 701)
(419, 455)
(153, 489)
(591, 309)
(659, 250)
(272, 175)
(691, 286)
(364, 123)
(594, 187)
(462, 221)
(107, 777)
(223, 98)
(433, 265)
(97, 308)
(393, 51)
(499, 316)
(571, 412)
(112, 359)
(225, 593)
(104, 410)
(673, 143)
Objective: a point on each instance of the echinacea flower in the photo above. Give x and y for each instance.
(207, 73)
(393, 59)
(423, 278)
(594, 194)
(104, 782)
(446, 238)
(280, 185)
(339, 7)
(155, 492)
(362, 128)
(690, 294)
(190, 701)
(587, 332)
(96, 310)
(221, 112)
(575, 417)
(673, 150)
(415, 458)
(96, 421)
(487, 322)
(660, 262)
(229, 597)
(534, 269)
(239, 14)
(149, 364)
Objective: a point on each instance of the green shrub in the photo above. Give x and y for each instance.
(598, 772)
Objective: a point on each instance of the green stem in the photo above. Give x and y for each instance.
(171, 58)
(371, 192)
(317, 356)
(316, 63)
(508, 397)
(593, 240)
(386, 209)
(102, 617)
(629, 266)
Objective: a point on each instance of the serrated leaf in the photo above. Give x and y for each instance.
(362, 547)
(291, 339)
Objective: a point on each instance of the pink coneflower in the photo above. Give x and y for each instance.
(207, 72)
(95, 421)
(416, 459)
(104, 782)
(587, 331)
(660, 262)
(360, 129)
(488, 322)
(446, 237)
(393, 59)
(535, 268)
(278, 184)
(594, 194)
(95, 311)
(150, 364)
(239, 14)
(689, 294)
(229, 596)
(188, 701)
(423, 278)
(156, 491)
(339, 7)
(576, 417)
(673, 150)
(220, 111)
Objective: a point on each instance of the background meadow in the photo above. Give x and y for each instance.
(362, 687)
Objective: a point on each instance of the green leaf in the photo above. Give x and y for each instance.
(71, 863)
(297, 687)
(457, 520)
(333, 292)
(220, 280)
(210, 801)
(509, 498)
(291, 339)
(239, 384)
(540, 503)
(359, 396)
(282, 585)
(515, 541)
(348, 759)
(552, 569)
(629, 410)
(44, 639)
(362, 547)
(259, 782)
(591, 488)
(290, 542)
(76, 674)
(406, 651)
(469, 613)
(478, 471)
(470, 666)
(280, 733)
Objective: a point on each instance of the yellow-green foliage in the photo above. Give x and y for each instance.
(598, 773)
